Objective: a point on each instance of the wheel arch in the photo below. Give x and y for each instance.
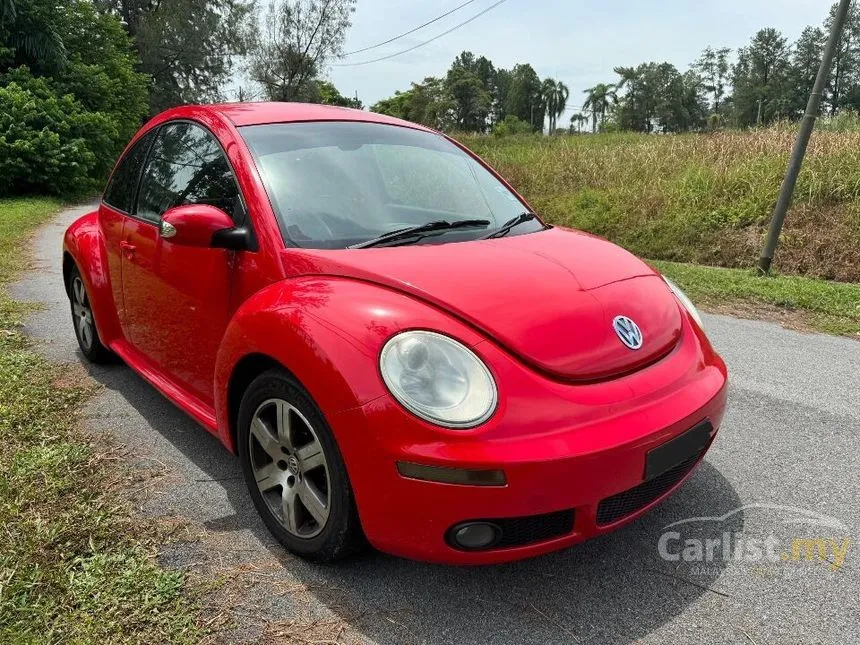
(68, 263)
(84, 248)
(275, 328)
(244, 372)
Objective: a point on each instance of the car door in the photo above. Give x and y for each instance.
(116, 206)
(178, 298)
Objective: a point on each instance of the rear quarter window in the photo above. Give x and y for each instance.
(123, 183)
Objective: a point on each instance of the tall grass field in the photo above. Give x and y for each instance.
(702, 198)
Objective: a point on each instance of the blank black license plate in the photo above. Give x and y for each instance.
(677, 451)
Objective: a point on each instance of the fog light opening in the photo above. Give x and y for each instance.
(474, 536)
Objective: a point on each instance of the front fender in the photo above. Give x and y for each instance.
(328, 332)
(84, 244)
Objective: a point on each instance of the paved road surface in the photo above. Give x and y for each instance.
(791, 438)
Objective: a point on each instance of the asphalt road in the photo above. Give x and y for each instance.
(791, 438)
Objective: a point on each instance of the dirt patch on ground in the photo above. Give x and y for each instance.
(796, 319)
(821, 241)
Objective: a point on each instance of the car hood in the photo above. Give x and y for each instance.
(549, 298)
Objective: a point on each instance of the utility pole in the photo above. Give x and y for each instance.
(800, 144)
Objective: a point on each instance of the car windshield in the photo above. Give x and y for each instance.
(339, 184)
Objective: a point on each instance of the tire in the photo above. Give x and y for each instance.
(84, 322)
(294, 470)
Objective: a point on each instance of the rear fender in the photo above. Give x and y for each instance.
(84, 245)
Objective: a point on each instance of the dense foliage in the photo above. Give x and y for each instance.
(475, 95)
(79, 77)
(48, 142)
(70, 95)
(186, 47)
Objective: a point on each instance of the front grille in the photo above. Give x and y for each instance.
(623, 504)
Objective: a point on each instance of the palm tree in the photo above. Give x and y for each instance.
(7, 11)
(577, 120)
(562, 93)
(554, 95)
(598, 100)
(547, 95)
(31, 40)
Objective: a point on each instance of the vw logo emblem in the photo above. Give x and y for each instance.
(628, 332)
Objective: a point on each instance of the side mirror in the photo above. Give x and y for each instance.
(203, 226)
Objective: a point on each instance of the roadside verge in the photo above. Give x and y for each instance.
(75, 566)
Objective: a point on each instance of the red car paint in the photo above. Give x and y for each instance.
(577, 410)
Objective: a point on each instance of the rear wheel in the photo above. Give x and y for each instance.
(84, 322)
(294, 470)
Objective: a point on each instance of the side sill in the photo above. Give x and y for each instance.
(176, 394)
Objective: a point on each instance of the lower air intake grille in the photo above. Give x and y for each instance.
(519, 531)
(623, 504)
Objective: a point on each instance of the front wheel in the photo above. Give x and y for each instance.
(294, 470)
(84, 323)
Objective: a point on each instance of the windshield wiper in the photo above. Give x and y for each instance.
(421, 229)
(512, 223)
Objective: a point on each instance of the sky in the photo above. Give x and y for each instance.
(578, 42)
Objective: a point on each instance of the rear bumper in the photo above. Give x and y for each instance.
(559, 457)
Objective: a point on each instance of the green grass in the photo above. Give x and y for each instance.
(830, 307)
(703, 199)
(73, 566)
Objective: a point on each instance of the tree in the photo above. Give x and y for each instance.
(658, 97)
(294, 44)
(576, 121)
(555, 95)
(524, 99)
(427, 103)
(100, 72)
(186, 46)
(805, 61)
(329, 95)
(500, 90)
(713, 68)
(598, 101)
(845, 73)
(468, 84)
(760, 79)
(28, 36)
(64, 120)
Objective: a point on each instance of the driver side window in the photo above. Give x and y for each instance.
(187, 166)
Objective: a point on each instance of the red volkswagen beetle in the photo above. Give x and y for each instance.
(395, 346)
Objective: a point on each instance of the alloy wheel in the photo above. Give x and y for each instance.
(290, 468)
(83, 314)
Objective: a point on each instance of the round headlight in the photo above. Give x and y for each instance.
(688, 304)
(438, 379)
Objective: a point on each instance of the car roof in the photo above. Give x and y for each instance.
(242, 114)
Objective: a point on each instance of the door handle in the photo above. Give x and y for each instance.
(127, 248)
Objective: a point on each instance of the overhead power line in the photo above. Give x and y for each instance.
(411, 31)
(426, 42)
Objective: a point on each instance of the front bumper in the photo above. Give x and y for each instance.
(562, 448)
